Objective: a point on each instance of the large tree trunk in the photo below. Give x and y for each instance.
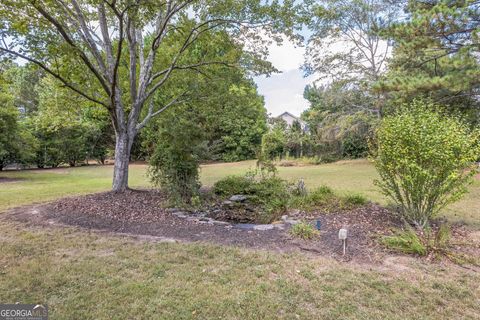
(122, 156)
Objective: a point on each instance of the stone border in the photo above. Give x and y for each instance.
(200, 217)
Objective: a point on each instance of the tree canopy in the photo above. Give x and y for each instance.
(108, 51)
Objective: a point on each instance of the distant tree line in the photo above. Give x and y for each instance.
(43, 125)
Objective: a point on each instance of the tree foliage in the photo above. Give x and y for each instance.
(17, 144)
(436, 56)
(347, 43)
(108, 51)
(340, 119)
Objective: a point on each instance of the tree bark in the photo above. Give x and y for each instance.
(122, 156)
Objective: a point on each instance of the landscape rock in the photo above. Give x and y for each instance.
(263, 227)
(220, 223)
(180, 214)
(238, 198)
(245, 226)
(294, 212)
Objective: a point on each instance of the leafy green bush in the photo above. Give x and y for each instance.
(273, 143)
(304, 230)
(353, 200)
(174, 164)
(354, 145)
(274, 195)
(231, 185)
(320, 194)
(425, 160)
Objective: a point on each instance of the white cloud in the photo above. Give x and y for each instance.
(287, 56)
(284, 91)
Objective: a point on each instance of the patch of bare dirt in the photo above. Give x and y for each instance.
(363, 224)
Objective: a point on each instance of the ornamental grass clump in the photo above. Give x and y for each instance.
(304, 230)
(425, 160)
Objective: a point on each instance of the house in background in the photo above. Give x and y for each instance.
(290, 119)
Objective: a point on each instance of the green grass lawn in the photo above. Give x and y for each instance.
(82, 275)
(88, 275)
(344, 176)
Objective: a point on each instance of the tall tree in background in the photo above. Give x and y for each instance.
(436, 55)
(105, 51)
(223, 103)
(17, 145)
(347, 43)
(340, 119)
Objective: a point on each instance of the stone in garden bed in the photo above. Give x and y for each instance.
(238, 198)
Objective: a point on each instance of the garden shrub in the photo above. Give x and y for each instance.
(231, 185)
(354, 146)
(304, 231)
(264, 189)
(174, 164)
(320, 194)
(275, 195)
(425, 160)
(324, 198)
(353, 200)
(273, 143)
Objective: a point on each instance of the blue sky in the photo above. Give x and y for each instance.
(284, 91)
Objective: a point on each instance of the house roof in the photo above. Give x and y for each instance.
(288, 114)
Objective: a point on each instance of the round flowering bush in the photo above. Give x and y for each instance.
(425, 160)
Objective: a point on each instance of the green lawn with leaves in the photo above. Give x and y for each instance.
(90, 275)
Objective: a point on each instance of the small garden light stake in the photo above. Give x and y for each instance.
(342, 235)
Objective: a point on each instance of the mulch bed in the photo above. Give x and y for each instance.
(140, 212)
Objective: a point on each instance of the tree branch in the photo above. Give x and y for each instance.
(55, 75)
(70, 41)
(152, 114)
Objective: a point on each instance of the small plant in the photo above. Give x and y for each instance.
(425, 160)
(304, 231)
(319, 197)
(405, 241)
(430, 242)
(353, 200)
(320, 194)
(196, 202)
